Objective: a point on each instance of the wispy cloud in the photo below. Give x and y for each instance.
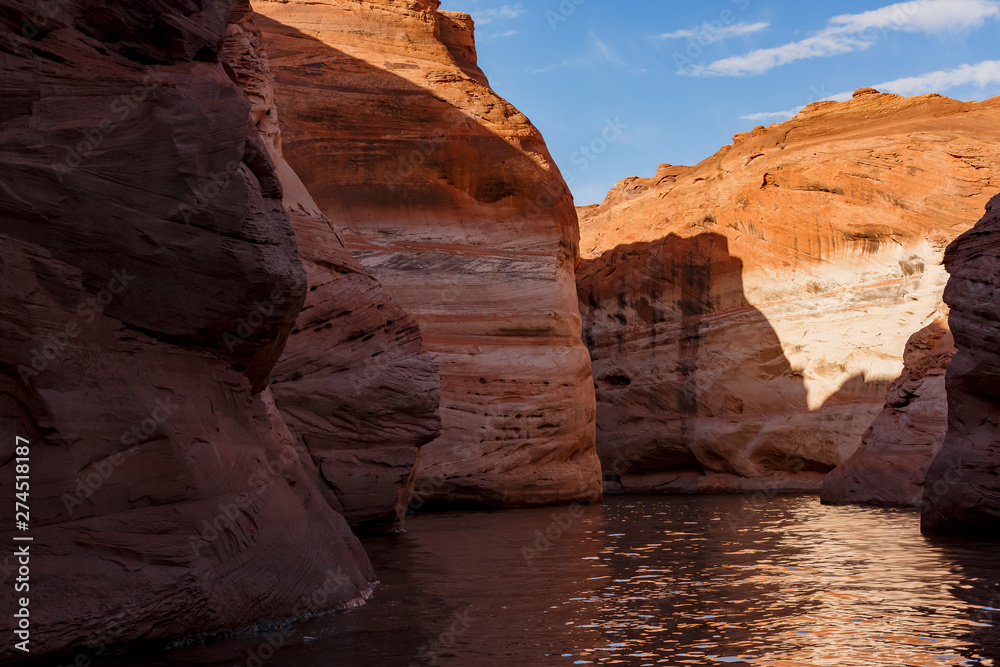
(555, 66)
(789, 113)
(773, 115)
(598, 55)
(507, 12)
(853, 32)
(921, 16)
(709, 34)
(607, 52)
(980, 75)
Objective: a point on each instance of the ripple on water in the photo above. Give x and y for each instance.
(657, 581)
(820, 586)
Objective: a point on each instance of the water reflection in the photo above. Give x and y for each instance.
(789, 583)
(657, 581)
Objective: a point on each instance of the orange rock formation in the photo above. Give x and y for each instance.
(746, 315)
(447, 194)
(355, 385)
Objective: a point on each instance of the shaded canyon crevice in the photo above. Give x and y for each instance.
(448, 196)
(355, 385)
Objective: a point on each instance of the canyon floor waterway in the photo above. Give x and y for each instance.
(654, 581)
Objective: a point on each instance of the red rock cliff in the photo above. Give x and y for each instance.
(746, 315)
(449, 197)
(890, 466)
(962, 491)
(355, 384)
(149, 282)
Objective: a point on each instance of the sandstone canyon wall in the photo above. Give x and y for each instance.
(448, 196)
(150, 282)
(745, 316)
(355, 384)
(962, 490)
(890, 466)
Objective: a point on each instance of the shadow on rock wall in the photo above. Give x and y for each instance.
(446, 194)
(692, 379)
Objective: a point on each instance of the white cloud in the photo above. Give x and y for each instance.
(507, 12)
(980, 75)
(854, 32)
(762, 60)
(709, 34)
(921, 16)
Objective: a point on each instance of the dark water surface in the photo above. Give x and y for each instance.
(656, 581)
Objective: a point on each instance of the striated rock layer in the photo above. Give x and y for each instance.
(140, 228)
(962, 491)
(890, 466)
(355, 384)
(745, 316)
(449, 197)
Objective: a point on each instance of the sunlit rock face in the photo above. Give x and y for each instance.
(745, 316)
(449, 197)
(890, 466)
(962, 493)
(139, 225)
(355, 384)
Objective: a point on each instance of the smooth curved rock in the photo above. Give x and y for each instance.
(745, 316)
(139, 224)
(962, 491)
(448, 196)
(890, 466)
(355, 384)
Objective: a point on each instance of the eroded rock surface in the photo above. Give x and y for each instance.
(962, 491)
(890, 466)
(745, 316)
(355, 384)
(139, 226)
(448, 196)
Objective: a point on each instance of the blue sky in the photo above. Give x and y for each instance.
(645, 82)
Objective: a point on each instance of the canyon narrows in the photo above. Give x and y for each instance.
(447, 194)
(210, 381)
(746, 316)
(354, 385)
(275, 275)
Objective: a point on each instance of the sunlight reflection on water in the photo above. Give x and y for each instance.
(789, 583)
(658, 581)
